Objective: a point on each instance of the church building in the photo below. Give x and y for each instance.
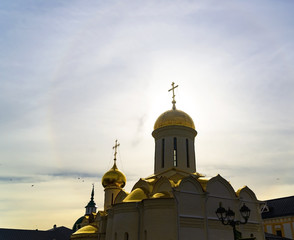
(175, 202)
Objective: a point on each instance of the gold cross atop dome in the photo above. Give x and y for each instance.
(114, 177)
(173, 89)
(115, 149)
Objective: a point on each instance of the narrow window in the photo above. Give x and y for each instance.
(115, 236)
(162, 153)
(145, 235)
(126, 236)
(175, 153)
(187, 152)
(112, 199)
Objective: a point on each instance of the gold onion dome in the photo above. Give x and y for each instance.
(174, 117)
(114, 178)
(86, 232)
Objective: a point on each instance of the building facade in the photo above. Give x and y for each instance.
(278, 217)
(175, 202)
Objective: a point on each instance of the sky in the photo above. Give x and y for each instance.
(77, 75)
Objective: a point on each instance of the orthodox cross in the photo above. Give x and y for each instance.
(115, 149)
(173, 89)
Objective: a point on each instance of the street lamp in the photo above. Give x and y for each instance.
(227, 217)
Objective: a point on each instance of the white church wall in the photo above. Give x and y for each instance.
(192, 227)
(124, 221)
(191, 204)
(217, 231)
(248, 197)
(219, 191)
(190, 198)
(159, 219)
(109, 226)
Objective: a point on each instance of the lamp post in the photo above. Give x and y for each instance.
(227, 217)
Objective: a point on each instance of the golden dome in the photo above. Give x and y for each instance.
(86, 232)
(114, 177)
(136, 195)
(174, 117)
(161, 195)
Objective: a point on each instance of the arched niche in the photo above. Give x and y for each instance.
(144, 185)
(190, 197)
(247, 196)
(218, 186)
(120, 197)
(190, 184)
(219, 190)
(162, 185)
(246, 193)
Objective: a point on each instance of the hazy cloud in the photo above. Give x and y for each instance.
(76, 75)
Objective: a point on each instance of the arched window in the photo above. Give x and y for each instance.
(187, 153)
(175, 152)
(162, 152)
(126, 236)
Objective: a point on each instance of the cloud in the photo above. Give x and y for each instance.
(16, 179)
(47, 177)
(75, 76)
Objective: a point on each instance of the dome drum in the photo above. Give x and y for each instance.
(174, 131)
(174, 134)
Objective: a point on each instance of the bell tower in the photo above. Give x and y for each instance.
(91, 206)
(174, 134)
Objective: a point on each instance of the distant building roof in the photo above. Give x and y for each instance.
(57, 233)
(279, 207)
(269, 236)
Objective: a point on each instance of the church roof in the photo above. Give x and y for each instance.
(59, 233)
(163, 186)
(174, 174)
(279, 207)
(174, 117)
(88, 232)
(136, 195)
(148, 188)
(91, 203)
(76, 224)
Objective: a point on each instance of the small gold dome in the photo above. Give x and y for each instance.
(86, 232)
(161, 195)
(136, 195)
(174, 117)
(114, 177)
(88, 229)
